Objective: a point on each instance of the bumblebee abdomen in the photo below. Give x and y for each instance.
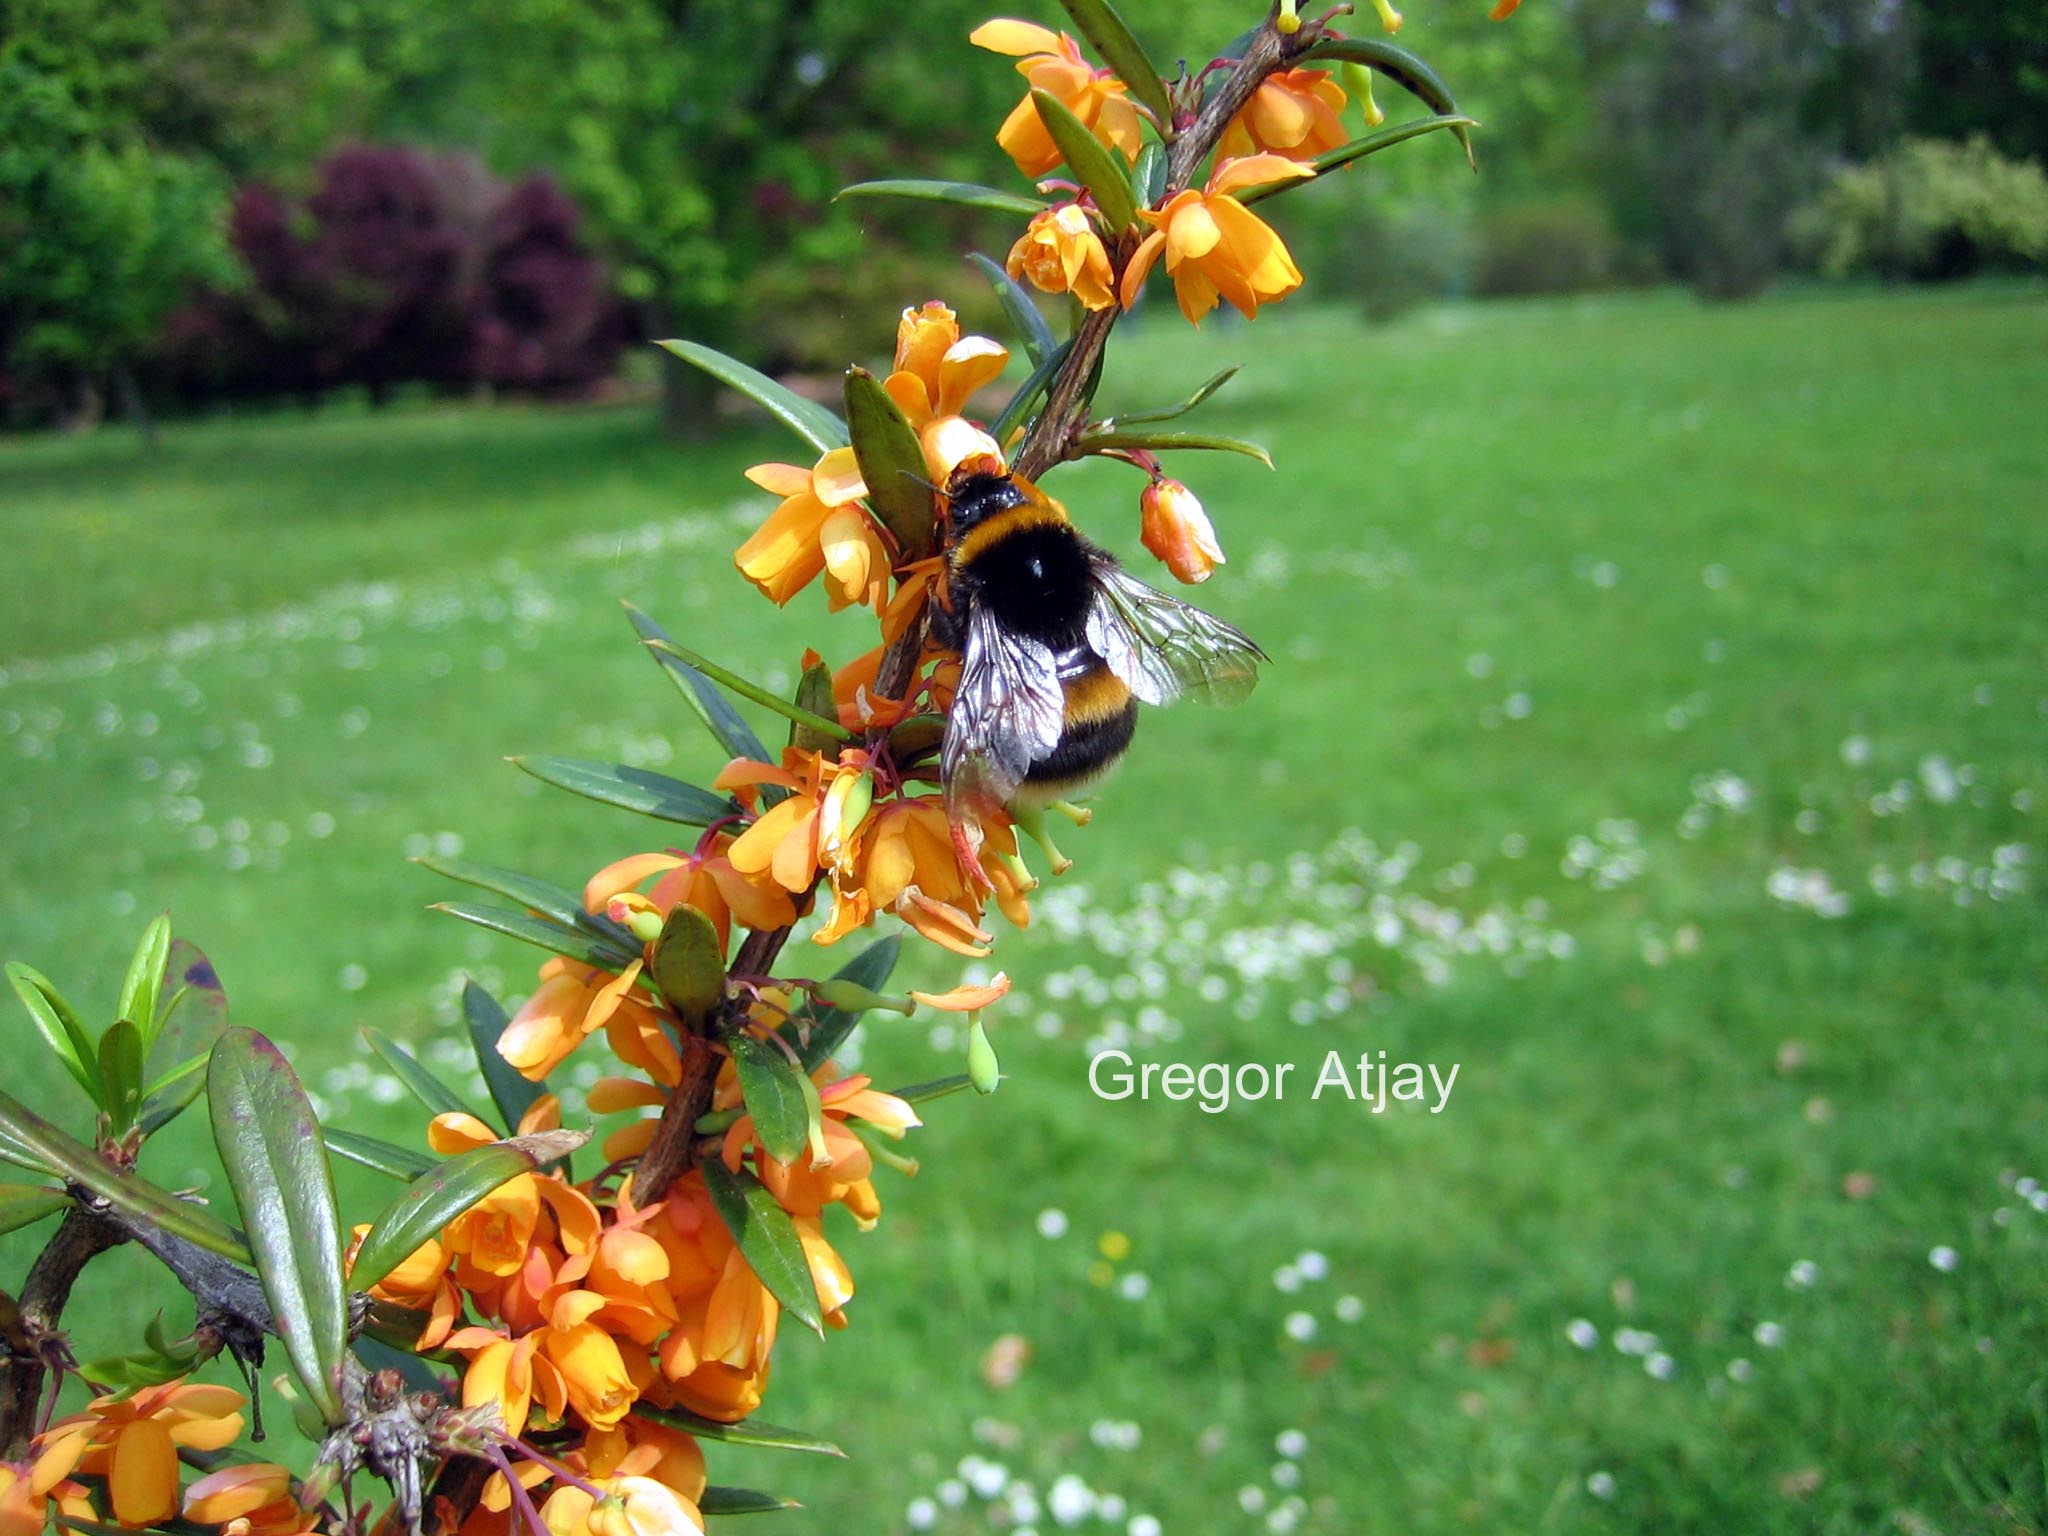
(1099, 718)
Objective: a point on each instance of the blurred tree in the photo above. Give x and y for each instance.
(100, 235)
(1983, 68)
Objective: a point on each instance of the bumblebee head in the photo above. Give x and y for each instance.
(978, 490)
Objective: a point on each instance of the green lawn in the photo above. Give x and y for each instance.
(1656, 731)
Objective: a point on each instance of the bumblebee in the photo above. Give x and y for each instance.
(1058, 647)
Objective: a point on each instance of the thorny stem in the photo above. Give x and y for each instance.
(1066, 402)
(79, 1238)
(668, 1155)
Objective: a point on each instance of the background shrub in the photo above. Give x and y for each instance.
(1546, 247)
(1931, 211)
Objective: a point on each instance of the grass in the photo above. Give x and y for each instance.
(1618, 644)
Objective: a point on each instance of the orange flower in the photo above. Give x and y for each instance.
(420, 1283)
(253, 1499)
(704, 879)
(1503, 10)
(26, 1495)
(1052, 62)
(819, 527)
(1060, 252)
(631, 1506)
(1176, 529)
(1215, 245)
(937, 370)
(133, 1442)
(1294, 112)
(572, 1002)
(782, 842)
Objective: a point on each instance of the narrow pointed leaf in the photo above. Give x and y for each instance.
(1095, 442)
(382, 1156)
(1021, 404)
(557, 903)
(727, 726)
(1032, 328)
(964, 194)
(1100, 169)
(772, 1437)
(439, 1196)
(142, 988)
(1168, 413)
(1123, 53)
(631, 789)
(773, 1089)
(892, 465)
(767, 1238)
(58, 1025)
(938, 1088)
(538, 931)
(21, 1204)
(829, 1027)
(689, 963)
(726, 678)
(1148, 176)
(1358, 149)
(121, 1073)
(1407, 71)
(269, 1143)
(33, 1141)
(436, 1095)
(814, 693)
(716, 1500)
(809, 420)
(510, 1090)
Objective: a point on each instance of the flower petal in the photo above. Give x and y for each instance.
(1016, 38)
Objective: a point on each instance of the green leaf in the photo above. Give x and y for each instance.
(1149, 174)
(30, 1139)
(891, 464)
(631, 789)
(1029, 321)
(538, 931)
(434, 1094)
(510, 1090)
(1168, 413)
(1358, 149)
(187, 1026)
(444, 1193)
(58, 1025)
(1124, 54)
(1100, 169)
(167, 1096)
(809, 420)
(964, 193)
(269, 1143)
(725, 677)
(141, 989)
(1095, 442)
(767, 1239)
(938, 1088)
(814, 693)
(21, 1204)
(725, 723)
(772, 1437)
(829, 1027)
(1405, 70)
(121, 1073)
(381, 1156)
(716, 1500)
(689, 963)
(1019, 409)
(772, 1086)
(557, 903)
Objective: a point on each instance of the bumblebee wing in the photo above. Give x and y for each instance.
(1007, 713)
(1164, 649)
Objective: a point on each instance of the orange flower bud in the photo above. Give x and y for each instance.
(1177, 530)
(1060, 252)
